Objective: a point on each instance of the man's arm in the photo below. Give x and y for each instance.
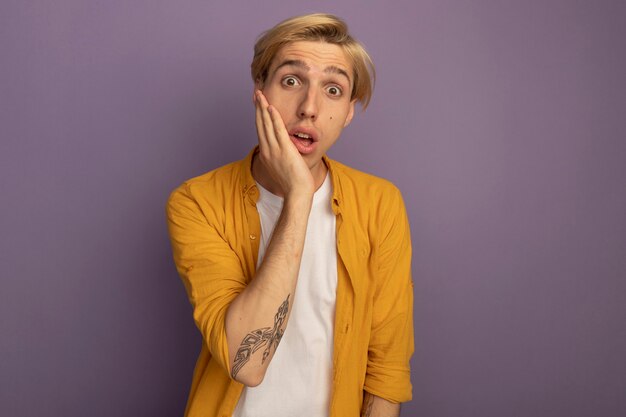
(257, 317)
(374, 406)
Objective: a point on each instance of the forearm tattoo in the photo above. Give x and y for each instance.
(256, 339)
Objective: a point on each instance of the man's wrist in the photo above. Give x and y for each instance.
(298, 200)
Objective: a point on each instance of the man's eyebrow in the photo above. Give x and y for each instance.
(336, 70)
(333, 69)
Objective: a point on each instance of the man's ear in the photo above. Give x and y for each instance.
(350, 113)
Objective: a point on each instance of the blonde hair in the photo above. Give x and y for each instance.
(316, 27)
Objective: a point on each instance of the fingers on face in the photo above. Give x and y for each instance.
(273, 125)
(268, 125)
(260, 130)
(279, 126)
(264, 126)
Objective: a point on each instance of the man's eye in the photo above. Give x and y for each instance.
(334, 91)
(290, 81)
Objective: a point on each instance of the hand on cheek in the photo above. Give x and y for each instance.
(277, 152)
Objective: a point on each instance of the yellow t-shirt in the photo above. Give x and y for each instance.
(215, 230)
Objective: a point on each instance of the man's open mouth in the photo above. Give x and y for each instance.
(304, 138)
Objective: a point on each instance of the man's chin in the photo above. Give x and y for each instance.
(312, 160)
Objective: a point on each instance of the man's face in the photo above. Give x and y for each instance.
(310, 85)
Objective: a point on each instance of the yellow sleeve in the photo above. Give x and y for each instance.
(391, 342)
(210, 270)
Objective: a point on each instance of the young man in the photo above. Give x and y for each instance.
(298, 267)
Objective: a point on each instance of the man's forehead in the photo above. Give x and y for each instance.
(318, 54)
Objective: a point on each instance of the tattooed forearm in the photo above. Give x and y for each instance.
(256, 339)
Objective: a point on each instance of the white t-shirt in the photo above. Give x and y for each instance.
(298, 379)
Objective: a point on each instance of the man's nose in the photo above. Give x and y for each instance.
(308, 108)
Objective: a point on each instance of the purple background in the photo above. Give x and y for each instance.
(501, 121)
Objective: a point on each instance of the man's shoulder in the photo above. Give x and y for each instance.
(211, 183)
